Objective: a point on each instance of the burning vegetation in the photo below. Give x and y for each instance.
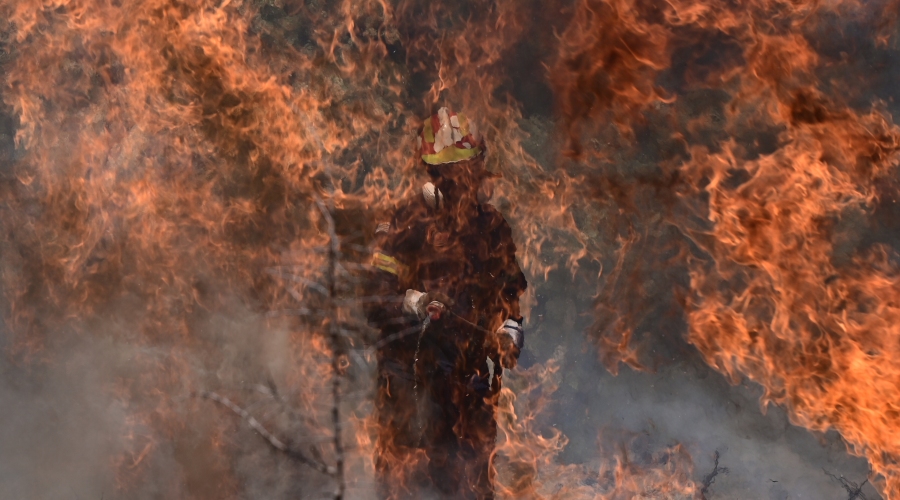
(189, 192)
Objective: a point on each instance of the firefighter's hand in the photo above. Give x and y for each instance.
(511, 337)
(426, 305)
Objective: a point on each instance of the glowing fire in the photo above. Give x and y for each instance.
(168, 155)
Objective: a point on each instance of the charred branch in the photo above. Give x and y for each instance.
(299, 279)
(270, 438)
(394, 337)
(302, 312)
(337, 347)
(270, 390)
(711, 477)
(853, 490)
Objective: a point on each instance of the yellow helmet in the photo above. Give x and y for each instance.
(449, 137)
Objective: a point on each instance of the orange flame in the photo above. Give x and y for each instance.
(168, 153)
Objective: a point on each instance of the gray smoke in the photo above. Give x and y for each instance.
(64, 426)
(685, 401)
(78, 418)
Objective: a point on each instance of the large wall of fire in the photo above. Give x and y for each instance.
(162, 160)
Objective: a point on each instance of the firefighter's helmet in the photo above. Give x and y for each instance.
(449, 137)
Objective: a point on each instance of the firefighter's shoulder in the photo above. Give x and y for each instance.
(492, 219)
(409, 213)
(400, 236)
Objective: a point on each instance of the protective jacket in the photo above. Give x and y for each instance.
(434, 406)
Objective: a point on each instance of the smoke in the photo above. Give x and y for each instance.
(151, 178)
(638, 413)
(61, 428)
(66, 423)
(99, 412)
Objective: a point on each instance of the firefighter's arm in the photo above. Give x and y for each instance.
(391, 275)
(385, 301)
(511, 334)
(384, 285)
(511, 340)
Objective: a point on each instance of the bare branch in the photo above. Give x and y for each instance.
(360, 360)
(268, 436)
(301, 311)
(354, 325)
(334, 244)
(711, 477)
(360, 300)
(300, 251)
(270, 390)
(337, 349)
(395, 336)
(298, 279)
(854, 490)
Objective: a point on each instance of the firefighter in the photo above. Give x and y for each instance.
(446, 287)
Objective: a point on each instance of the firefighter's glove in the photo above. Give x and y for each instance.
(511, 337)
(426, 305)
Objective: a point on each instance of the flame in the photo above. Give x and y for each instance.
(167, 160)
(526, 459)
(814, 331)
(168, 154)
(771, 297)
